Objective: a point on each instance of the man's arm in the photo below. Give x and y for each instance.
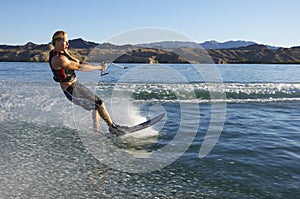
(76, 65)
(72, 58)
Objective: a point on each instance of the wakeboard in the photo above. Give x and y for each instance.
(144, 125)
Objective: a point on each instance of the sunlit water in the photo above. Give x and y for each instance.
(257, 155)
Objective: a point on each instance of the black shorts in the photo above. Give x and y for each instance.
(82, 96)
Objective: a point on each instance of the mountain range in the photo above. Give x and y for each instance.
(160, 52)
(80, 43)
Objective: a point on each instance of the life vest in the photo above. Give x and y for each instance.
(63, 74)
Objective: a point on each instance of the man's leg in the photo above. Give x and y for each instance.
(96, 119)
(104, 114)
(113, 129)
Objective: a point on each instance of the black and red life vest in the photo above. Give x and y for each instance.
(63, 74)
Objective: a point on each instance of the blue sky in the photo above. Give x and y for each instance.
(272, 22)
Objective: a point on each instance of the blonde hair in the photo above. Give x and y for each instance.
(58, 35)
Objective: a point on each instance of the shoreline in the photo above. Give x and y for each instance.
(252, 54)
(228, 63)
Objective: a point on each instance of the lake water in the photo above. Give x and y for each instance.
(230, 131)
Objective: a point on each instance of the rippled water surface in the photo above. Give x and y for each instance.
(43, 154)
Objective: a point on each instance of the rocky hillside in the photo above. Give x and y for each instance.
(94, 52)
(206, 45)
(30, 52)
(149, 55)
(257, 54)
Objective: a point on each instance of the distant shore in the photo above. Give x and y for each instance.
(93, 52)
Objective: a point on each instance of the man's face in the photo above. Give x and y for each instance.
(63, 43)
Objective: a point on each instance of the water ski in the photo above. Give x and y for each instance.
(142, 125)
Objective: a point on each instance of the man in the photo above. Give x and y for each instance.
(63, 66)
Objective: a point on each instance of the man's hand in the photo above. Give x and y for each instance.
(103, 67)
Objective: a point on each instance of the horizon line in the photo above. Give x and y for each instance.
(213, 40)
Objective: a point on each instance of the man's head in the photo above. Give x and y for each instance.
(60, 39)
